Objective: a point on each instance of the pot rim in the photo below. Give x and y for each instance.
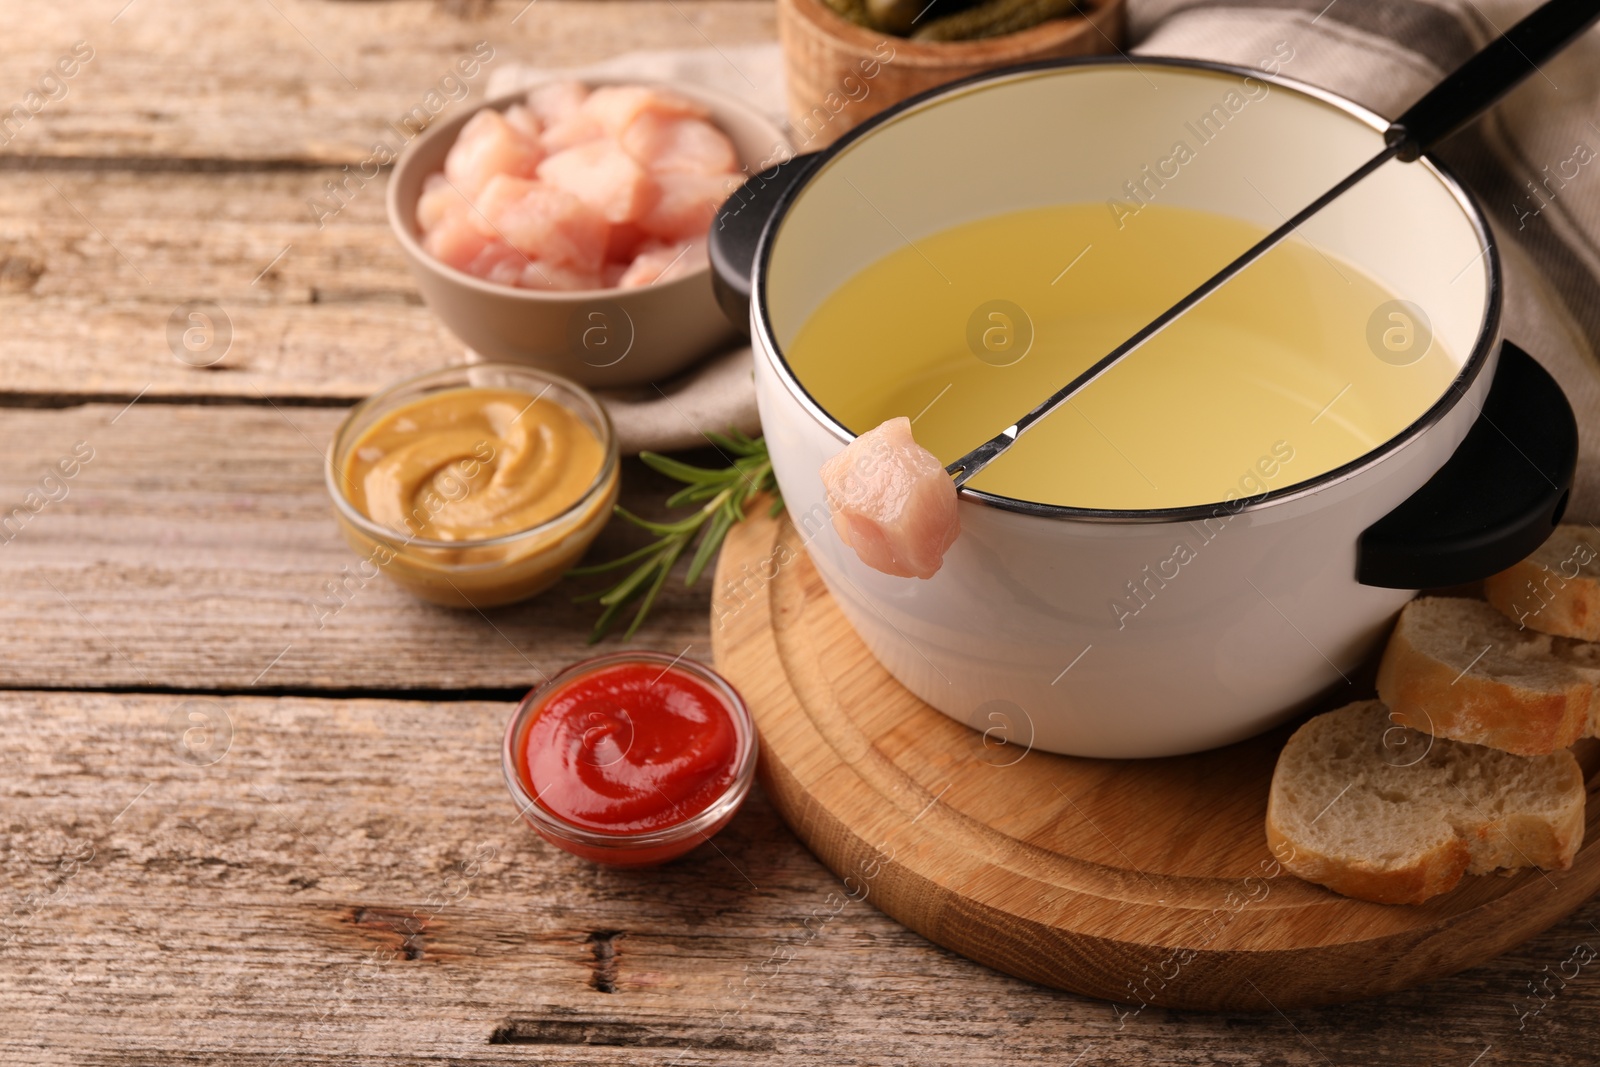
(1483, 348)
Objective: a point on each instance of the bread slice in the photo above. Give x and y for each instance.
(1381, 812)
(1557, 589)
(1459, 669)
(1583, 657)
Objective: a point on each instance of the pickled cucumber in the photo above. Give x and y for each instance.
(853, 10)
(992, 18)
(894, 16)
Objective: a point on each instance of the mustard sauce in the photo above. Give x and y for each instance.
(491, 494)
(472, 463)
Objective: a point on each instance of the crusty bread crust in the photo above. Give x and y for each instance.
(1520, 840)
(1536, 598)
(1506, 686)
(1435, 697)
(1543, 828)
(1557, 589)
(1437, 871)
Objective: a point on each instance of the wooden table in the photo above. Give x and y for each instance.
(345, 882)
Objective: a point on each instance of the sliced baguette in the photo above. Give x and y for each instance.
(1557, 589)
(1385, 813)
(1583, 657)
(1459, 669)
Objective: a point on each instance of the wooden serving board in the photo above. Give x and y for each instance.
(1145, 882)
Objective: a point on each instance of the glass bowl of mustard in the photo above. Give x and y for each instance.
(475, 485)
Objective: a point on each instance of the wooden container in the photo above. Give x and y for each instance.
(838, 73)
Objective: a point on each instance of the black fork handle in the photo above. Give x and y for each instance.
(1489, 75)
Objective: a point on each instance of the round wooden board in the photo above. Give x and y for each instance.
(1145, 882)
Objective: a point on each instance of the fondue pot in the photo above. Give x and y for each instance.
(1282, 590)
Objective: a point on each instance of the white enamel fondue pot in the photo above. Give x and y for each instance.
(1285, 589)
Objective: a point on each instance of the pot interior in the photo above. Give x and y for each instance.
(1109, 191)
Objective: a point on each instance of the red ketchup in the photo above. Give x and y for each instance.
(631, 759)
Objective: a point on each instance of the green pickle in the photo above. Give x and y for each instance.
(894, 16)
(853, 10)
(992, 18)
(950, 20)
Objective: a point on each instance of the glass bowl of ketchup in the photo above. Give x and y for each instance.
(630, 759)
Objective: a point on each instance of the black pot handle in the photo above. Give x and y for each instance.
(1494, 501)
(736, 232)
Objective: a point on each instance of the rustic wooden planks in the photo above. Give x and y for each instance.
(180, 164)
(94, 265)
(303, 899)
(346, 884)
(293, 82)
(196, 548)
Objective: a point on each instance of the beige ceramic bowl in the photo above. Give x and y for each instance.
(598, 337)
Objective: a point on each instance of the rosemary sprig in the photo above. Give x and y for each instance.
(723, 495)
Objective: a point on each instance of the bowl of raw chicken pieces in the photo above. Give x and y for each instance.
(565, 226)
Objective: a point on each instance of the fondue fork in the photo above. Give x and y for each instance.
(1451, 104)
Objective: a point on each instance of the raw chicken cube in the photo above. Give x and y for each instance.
(555, 102)
(686, 204)
(617, 105)
(525, 121)
(463, 246)
(892, 501)
(656, 263)
(486, 146)
(624, 242)
(663, 142)
(607, 111)
(576, 189)
(455, 242)
(542, 221)
(439, 201)
(604, 177)
(538, 274)
(499, 263)
(575, 129)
